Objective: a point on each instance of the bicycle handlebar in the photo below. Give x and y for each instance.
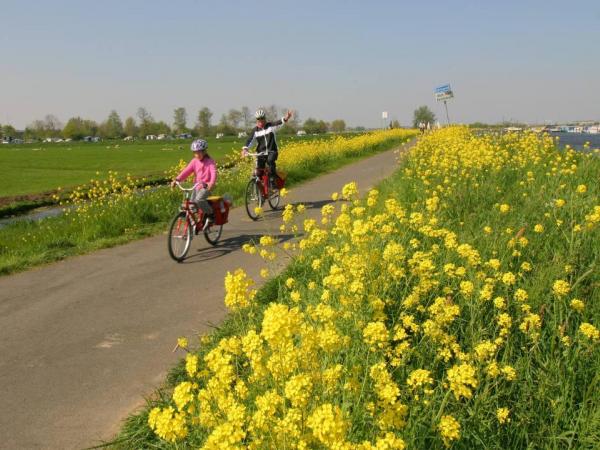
(257, 154)
(178, 184)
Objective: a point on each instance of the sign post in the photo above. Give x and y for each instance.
(384, 116)
(444, 93)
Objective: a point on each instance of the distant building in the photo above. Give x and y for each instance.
(220, 135)
(184, 136)
(242, 134)
(301, 133)
(128, 138)
(151, 137)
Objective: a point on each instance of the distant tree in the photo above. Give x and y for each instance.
(74, 129)
(246, 117)
(292, 125)
(234, 118)
(91, 127)
(314, 126)
(396, 124)
(8, 131)
(130, 127)
(36, 130)
(78, 128)
(180, 120)
(423, 114)
(112, 128)
(338, 126)
(225, 126)
(203, 122)
(160, 127)
(272, 112)
(146, 122)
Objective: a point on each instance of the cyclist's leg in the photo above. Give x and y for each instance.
(200, 196)
(271, 159)
(261, 163)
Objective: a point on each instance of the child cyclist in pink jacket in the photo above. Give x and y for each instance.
(205, 169)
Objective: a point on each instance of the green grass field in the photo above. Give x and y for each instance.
(43, 167)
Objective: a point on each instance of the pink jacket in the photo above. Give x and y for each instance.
(205, 170)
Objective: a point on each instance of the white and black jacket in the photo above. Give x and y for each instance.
(265, 137)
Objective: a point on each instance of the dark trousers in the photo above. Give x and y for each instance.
(270, 160)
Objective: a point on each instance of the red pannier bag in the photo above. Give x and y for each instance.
(280, 180)
(220, 206)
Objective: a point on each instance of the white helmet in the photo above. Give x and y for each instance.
(259, 114)
(199, 145)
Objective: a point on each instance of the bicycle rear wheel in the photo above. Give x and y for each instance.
(212, 234)
(180, 237)
(274, 198)
(254, 198)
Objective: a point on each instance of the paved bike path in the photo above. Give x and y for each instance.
(82, 341)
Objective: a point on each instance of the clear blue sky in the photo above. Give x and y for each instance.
(524, 60)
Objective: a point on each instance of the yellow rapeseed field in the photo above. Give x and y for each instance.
(456, 306)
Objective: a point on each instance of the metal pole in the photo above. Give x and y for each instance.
(447, 117)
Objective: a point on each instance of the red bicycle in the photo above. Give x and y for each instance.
(190, 221)
(260, 189)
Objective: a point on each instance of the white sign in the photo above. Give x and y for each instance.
(384, 115)
(443, 92)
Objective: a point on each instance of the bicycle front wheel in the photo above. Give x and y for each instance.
(180, 237)
(254, 199)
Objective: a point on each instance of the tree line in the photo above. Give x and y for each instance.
(144, 124)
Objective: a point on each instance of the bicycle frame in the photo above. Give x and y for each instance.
(194, 218)
(261, 174)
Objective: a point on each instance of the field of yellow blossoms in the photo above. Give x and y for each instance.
(108, 212)
(456, 306)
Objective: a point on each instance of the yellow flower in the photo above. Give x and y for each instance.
(504, 208)
(559, 203)
(350, 190)
(182, 342)
(449, 429)
(335, 196)
(462, 379)
(238, 294)
(298, 390)
(581, 189)
(419, 378)
(577, 305)
(561, 288)
(508, 278)
(502, 415)
(168, 424)
(327, 424)
(538, 228)
(590, 331)
(376, 335)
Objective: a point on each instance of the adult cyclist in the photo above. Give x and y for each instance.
(264, 135)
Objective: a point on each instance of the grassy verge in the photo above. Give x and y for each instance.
(456, 306)
(112, 211)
